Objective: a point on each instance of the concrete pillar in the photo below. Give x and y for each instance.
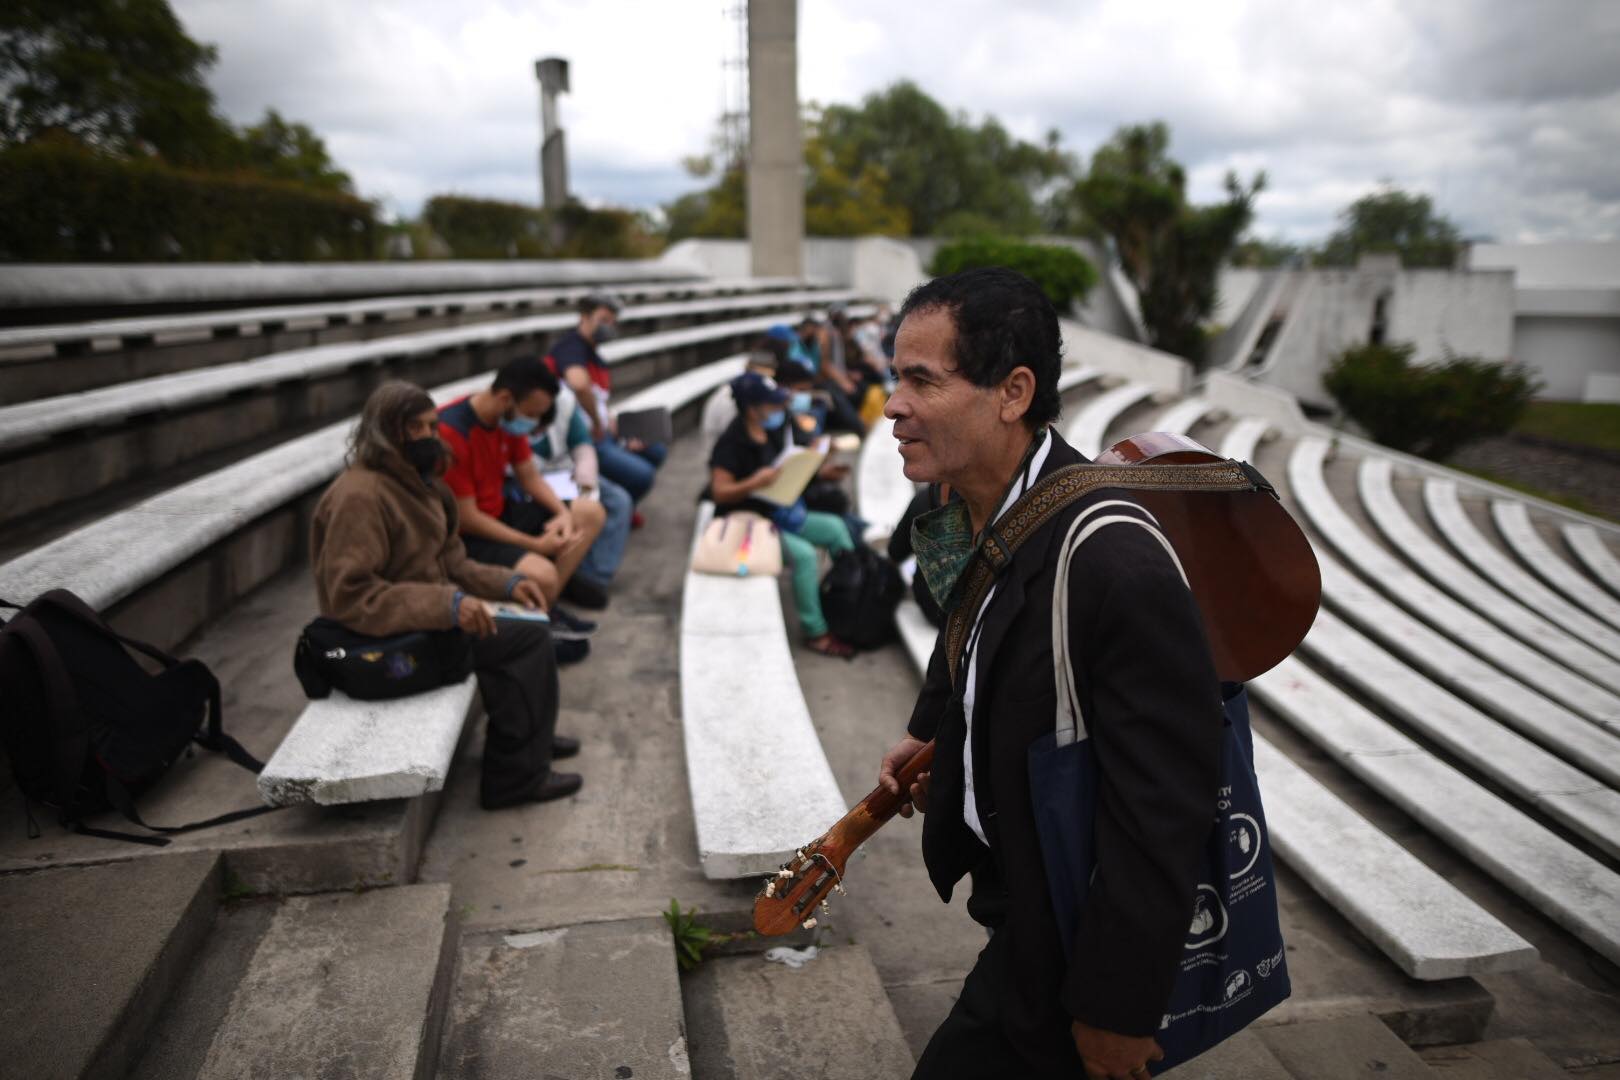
(775, 151)
(553, 75)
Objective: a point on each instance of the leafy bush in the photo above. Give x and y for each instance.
(64, 202)
(1062, 273)
(1428, 409)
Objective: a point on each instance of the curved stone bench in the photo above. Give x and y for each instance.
(1513, 763)
(1087, 430)
(345, 751)
(880, 481)
(1551, 874)
(1594, 554)
(1418, 918)
(761, 784)
(1310, 491)
(1375, 482)
(1513, 520)
(1245, 437)
(1588, 745)
(1184, 415)
(1446, 509)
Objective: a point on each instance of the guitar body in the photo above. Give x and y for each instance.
(1250, 568)
(1257, 584)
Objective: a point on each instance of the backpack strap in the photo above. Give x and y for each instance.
(70, 604)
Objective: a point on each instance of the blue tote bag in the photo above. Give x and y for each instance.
(1233, 964)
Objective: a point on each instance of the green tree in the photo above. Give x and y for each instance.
(282, 150)
(1169, 249)
(118, 75)
(1392, 221)
(1062, 273)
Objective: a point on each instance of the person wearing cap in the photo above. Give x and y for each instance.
(831, 379)
(741, 463)
(574, 358)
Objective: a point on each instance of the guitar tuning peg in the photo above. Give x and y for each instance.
(810, 924)
(770, 889)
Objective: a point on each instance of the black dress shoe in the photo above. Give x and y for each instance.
(570, 652)
(563, 747)
(585, 594)
(557, 785)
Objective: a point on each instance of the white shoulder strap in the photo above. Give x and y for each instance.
(1070, 724)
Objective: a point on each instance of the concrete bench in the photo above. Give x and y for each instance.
(1376, 484)
(109, 560)
(1418, 918)
(105, 335)
(1585, 542)
(1514, 764)
(1588, 745)
(1310, 491)
(761, 784)
(73, 447)
(343, 751)
(1245, 437)
(36, 421)
(1087, 430)
(1513, 521)
(1446, 510)
(1554, 876)
(1184, 415)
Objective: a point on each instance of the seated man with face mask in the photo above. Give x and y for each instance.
(542, 538)
(742, 463)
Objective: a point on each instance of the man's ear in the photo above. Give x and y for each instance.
(1017, 394)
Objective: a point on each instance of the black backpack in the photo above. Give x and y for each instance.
(859, 595)
(87, 728)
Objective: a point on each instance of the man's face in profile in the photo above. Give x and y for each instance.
(940, 418)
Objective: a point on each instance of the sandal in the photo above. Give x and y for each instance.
(828, 645)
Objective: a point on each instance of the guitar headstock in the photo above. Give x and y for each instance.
(795, 894)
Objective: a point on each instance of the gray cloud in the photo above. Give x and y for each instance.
(1508, 113)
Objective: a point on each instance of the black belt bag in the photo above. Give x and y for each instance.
(330, 656)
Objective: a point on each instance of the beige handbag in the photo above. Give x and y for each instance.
(739, 544)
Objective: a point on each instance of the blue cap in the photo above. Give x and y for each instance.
(752, 388)
(782, 332)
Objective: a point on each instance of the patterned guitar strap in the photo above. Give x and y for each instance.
(1062, 488)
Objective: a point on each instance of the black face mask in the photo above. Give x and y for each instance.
(423, 455)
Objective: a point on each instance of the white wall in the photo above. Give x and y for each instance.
(1565, 350)
(1539, 265)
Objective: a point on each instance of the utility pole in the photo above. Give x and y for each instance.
(553, 75)
(775, 144)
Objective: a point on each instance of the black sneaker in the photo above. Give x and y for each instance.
(587, 595)
(570, 652)
(563, 746)
(556, 785)
(566, 626)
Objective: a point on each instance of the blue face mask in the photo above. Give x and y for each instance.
(800, 402)
(774, 421)
(519, 425)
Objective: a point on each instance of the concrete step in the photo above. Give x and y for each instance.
(342, 985)
(751, 1019)
(1344, 1049)
(1498, 1059)
(1244, 1056)
(591, 1000)
(88, 956)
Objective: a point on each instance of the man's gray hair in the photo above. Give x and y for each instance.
(380, 431)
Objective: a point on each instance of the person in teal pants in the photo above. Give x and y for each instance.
(741, 463)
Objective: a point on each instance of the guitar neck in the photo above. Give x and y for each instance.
(873, 812)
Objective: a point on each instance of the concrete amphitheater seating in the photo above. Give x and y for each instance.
(59, 449)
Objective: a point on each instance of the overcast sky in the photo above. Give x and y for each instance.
(1507, 112)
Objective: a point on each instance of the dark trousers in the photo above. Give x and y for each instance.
(973, 1042)
(517, 679)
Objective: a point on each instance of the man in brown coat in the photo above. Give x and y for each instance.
(388, 560)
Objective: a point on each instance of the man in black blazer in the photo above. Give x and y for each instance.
(977, 357)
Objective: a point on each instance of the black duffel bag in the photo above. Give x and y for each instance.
(329, 656)
(859, 595)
